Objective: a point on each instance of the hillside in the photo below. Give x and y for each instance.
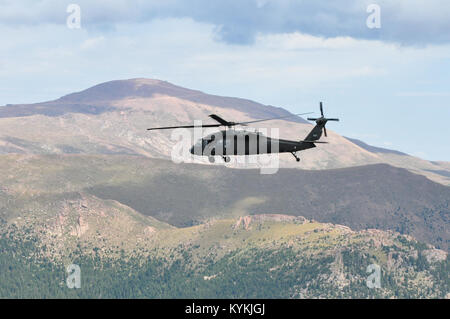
(376, 196)
(83, 182)
(261, 256)
(112, 117)
(119, 218)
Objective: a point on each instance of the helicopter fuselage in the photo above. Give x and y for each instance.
(232, 142)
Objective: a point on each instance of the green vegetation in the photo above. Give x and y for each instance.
(119, 219)
(182, 195)
(250, 271)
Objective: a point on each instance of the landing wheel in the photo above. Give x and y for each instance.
(296, 157)
(227, 159)
(211, 159)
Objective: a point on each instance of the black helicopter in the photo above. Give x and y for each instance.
(234, 142)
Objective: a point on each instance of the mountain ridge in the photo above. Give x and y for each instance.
(112, 117)
(375, 196)
(295, 257)
(97, 99)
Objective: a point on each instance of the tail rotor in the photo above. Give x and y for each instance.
(321, 121)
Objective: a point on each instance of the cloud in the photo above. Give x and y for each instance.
(407, 22)
(300, 41)
(423, 94)
(358, 79)
(92, 42)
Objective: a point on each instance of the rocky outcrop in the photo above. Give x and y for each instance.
(245, 221)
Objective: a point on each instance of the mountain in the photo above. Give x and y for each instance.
(180, 195)
(436, 171)
(374, 149)
(112, 117)
(136, 94)
(123, 254)
(83, 182)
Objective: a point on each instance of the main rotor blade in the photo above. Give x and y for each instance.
(333, 120)
(182, 126)
(223, 122)
(272, 118)
(325, 131)
(321, 109)
(314, 141)
(220, 120)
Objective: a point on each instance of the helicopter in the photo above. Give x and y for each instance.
(234, 142)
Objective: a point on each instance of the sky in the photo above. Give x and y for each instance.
(389, 84)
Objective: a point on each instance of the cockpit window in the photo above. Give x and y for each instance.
(208, 140)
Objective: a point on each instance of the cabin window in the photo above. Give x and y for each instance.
(247, 144)
(206, 141)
